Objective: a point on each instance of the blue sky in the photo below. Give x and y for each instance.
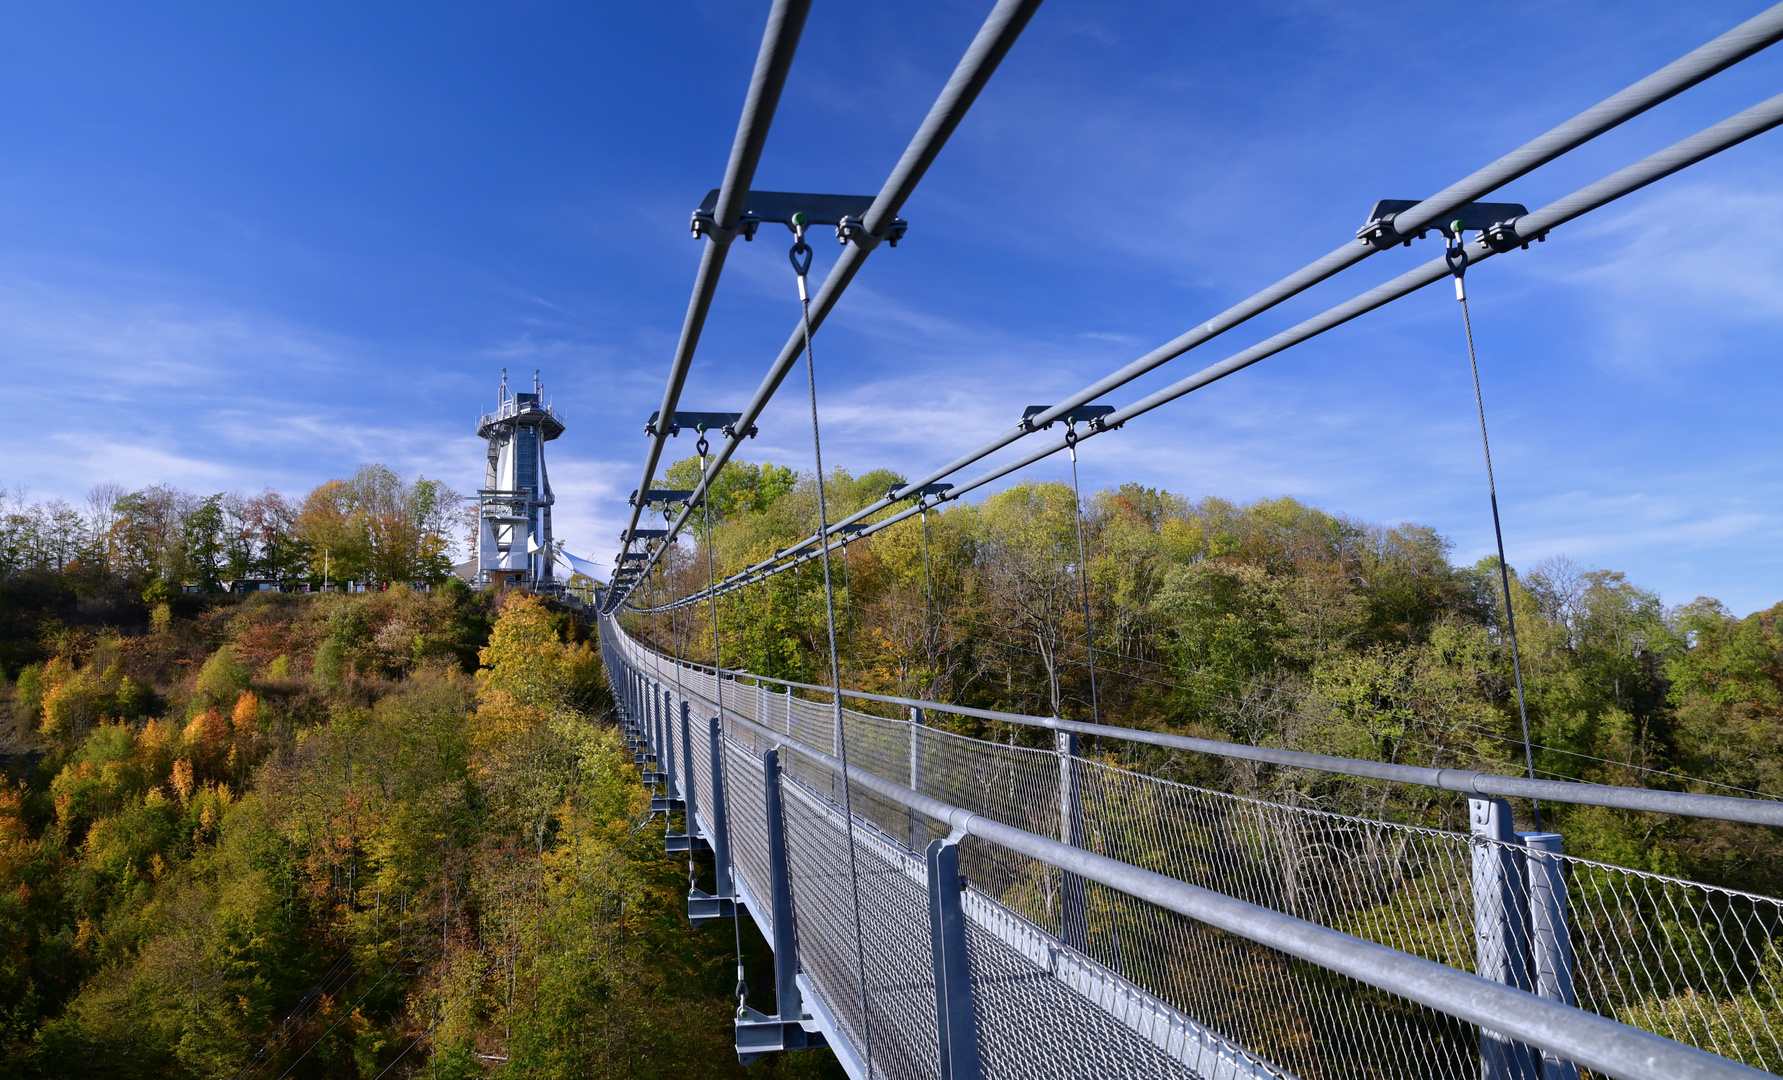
(251, 245)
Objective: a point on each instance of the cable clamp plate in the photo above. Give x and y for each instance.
(1083, 414)
(845, 212)
(1381, 233)
(699, 421)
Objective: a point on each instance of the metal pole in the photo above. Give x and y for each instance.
(786, 960)
(721, 833)
(689, 798)
(1074, 924)
(1550, 935)
(919, 831)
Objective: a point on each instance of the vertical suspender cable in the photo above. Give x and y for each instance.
(725, 888)
(1083, 568)
(1457, 255)
(802, 251)
(928, 610)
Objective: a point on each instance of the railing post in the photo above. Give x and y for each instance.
(1501, 929)
(919, 830)
(653, 734)
(674, 795)
(640, 721)
(689, 797)
(956, 1021)
(674, 786)
(1074, 929)
(1550, 934)
(701, 906)
(789, 712)
(758, 1033)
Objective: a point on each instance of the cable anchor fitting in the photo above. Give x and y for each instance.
(800, 255)
(1455, 254)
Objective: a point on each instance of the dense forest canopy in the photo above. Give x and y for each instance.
(327, 835)
(1274, 623)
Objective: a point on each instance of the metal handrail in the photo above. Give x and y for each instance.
(1595, 1042)
(1465, 781)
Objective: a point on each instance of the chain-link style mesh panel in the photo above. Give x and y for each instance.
(747, 814)
(1695, 963)
(894, 923)
(1032, 1025)
(699, 739)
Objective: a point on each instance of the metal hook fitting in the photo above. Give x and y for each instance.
(1456, 256)
(801, 251)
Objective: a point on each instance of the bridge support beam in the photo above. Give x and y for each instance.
(1550, 935)
(1501, 930)
(674, 792)
(1074, 921)
(702, 907)
(681, 785)
(653, 734)
(956, 1018)
(757, 1033)
(919, 827)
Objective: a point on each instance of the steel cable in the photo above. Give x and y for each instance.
(1533, 226)
(1457, 256)
(1744, 40)
(800, 248)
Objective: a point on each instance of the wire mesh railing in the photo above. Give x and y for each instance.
(1687, 961)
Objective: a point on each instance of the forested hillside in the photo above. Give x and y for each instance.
(374, 527)
(324, 834)
(396, 833)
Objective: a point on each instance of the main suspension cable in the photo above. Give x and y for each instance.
(1457, 255)
(801, 262)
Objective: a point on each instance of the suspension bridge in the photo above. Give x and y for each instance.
(940, 906)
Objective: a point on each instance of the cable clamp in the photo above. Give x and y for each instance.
(704, 224)
(852, 228)
(1502, 236)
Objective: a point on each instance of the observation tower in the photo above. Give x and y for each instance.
(514, 503)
